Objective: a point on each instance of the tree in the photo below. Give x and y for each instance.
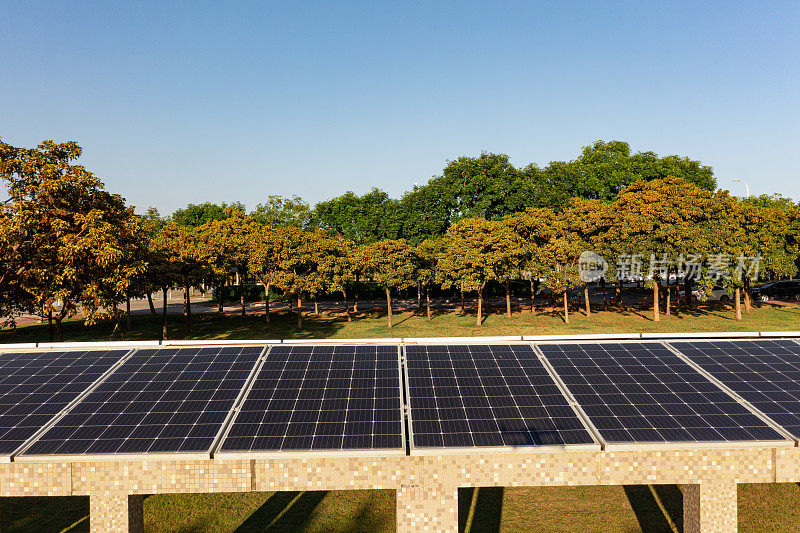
(230, 238)
(390, 263)
(662, 220)
(188, 255)
(426, 254)
(266, 244)
(297, 266)
(195, 215)
(336, 266)
(72, 242)
(476, 251)
(279, 211)
(362, 219)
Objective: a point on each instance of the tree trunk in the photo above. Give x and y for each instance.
(389, 305)
(668, 297)
(59, 331)
(480, 303)
(266, 301)
(50, 322)
(299, 314)
(220, 302)
(164, 317)
(747, 295)
(566, 308)
(188, 309)
(128, 311)
(508, 299)
(299, 303)
(620, 302)
(346, 306)
(462, 301)
(586, 299)
(428, 300)
(419, 295)
(150, 303)
(241, 294)
(738, 296)
(603, 290)
(533, 295)
(316, 308)
(656, 303)
(355, 294)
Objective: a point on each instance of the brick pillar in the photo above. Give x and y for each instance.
(709, 507)
(111, 512)
(427, 508)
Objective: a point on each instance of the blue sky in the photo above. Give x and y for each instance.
(178, 102)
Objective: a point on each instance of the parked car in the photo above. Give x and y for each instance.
(717, 294)
(777, 290)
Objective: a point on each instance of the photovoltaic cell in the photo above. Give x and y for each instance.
(321, 398)
(36, 386)
(158, 401)
(766, 373)
(643, 392)
(473, 395)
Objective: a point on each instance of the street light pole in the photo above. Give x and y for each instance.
(746, 186)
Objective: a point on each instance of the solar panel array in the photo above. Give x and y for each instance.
(766, 373)
(643, 392)
(322, 398)
(348, 397)
(35, 387)
(464, 396)
(158, 401)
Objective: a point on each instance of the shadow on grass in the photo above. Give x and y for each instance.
(488, 510)
(649, 513)
(63, 513)
(283, 511)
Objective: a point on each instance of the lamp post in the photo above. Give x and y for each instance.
(747, 187)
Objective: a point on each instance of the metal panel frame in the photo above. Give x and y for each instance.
(440, 450)
(14, 456)
(145, 456)
(679, 445)
(730, 392)
(218, 453)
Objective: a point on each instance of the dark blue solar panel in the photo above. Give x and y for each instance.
(472, 395)
(766, 373)
(321, 398)
(643, 392)
(158, 401)
(36, 386)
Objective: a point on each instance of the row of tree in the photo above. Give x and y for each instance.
(67, 244)
(487, 186)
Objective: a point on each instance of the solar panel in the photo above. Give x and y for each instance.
(487, 396)
(321, 398)
(37, 386)
(158, 401)
(643, 392)
(766, 373)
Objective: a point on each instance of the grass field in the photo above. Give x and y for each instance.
(765, 317)
(769, 507)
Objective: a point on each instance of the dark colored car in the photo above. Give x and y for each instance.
(777, 290)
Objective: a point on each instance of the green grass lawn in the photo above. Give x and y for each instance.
(769, 507)
(630, 508)
(765, 317)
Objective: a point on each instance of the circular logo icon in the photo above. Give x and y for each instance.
(591, 266)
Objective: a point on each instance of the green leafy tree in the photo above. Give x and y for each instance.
(280, 211)
(362, 219)
(195, 215)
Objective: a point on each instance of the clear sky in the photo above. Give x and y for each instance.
(178, 102)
